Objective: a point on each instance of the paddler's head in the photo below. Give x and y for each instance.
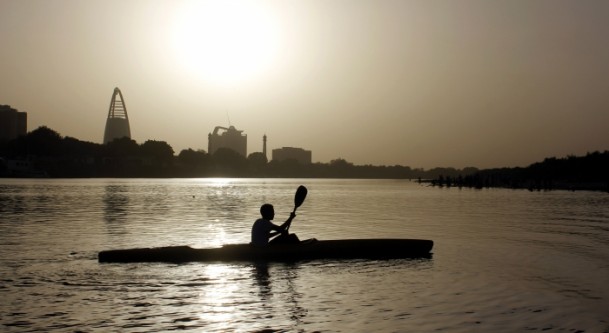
(267, 211)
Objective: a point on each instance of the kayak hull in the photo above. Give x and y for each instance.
(305, 250)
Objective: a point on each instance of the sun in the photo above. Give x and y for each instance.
(225, 42)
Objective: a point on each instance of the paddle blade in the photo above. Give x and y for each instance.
(301, 194)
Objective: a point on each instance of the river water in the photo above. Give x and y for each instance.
(503, 260)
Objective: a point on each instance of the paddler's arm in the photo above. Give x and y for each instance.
(287, 223)
(282, 228)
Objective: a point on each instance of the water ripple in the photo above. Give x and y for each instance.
(504, 260)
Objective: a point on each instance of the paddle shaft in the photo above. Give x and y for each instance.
(299, 197)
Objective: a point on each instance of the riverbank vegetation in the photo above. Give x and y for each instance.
(45, 152)
(589, 172)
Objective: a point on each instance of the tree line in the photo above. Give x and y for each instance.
(50, 154)
(589, 172)
(67, 157)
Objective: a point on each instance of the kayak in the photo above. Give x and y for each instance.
(305, 250)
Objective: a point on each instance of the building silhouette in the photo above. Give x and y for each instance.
(230, 138)
(117, 124)
(290, 153)
(12, 123)
(264, 147)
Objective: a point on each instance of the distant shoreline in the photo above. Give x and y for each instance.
(558, 186)
(45, 153)
(597, 186)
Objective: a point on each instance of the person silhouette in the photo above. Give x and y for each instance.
(263, 229)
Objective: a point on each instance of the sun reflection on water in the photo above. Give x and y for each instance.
(221, 182)
(220, 305)
(220, 237)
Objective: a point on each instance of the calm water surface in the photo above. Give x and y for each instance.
(504, 260)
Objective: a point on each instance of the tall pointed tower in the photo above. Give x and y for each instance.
(117, 124)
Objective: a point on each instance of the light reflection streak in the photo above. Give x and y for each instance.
(220, 182)
(220, 301)
(219, 236)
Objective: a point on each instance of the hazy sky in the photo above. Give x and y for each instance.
(484, 83)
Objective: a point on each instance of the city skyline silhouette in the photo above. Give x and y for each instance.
(425, 84)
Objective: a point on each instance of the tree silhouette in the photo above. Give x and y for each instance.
(193, 158)
(122, 147)
(160, 151)
(229, 163)
(194, 163)
(43, 141)
(257, 164)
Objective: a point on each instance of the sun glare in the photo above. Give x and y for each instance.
(226, 41)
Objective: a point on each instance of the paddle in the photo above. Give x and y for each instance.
(299, 197)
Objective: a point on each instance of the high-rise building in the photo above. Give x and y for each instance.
(117, 124)
(290, 153)
(12, 123)
(230, 138)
